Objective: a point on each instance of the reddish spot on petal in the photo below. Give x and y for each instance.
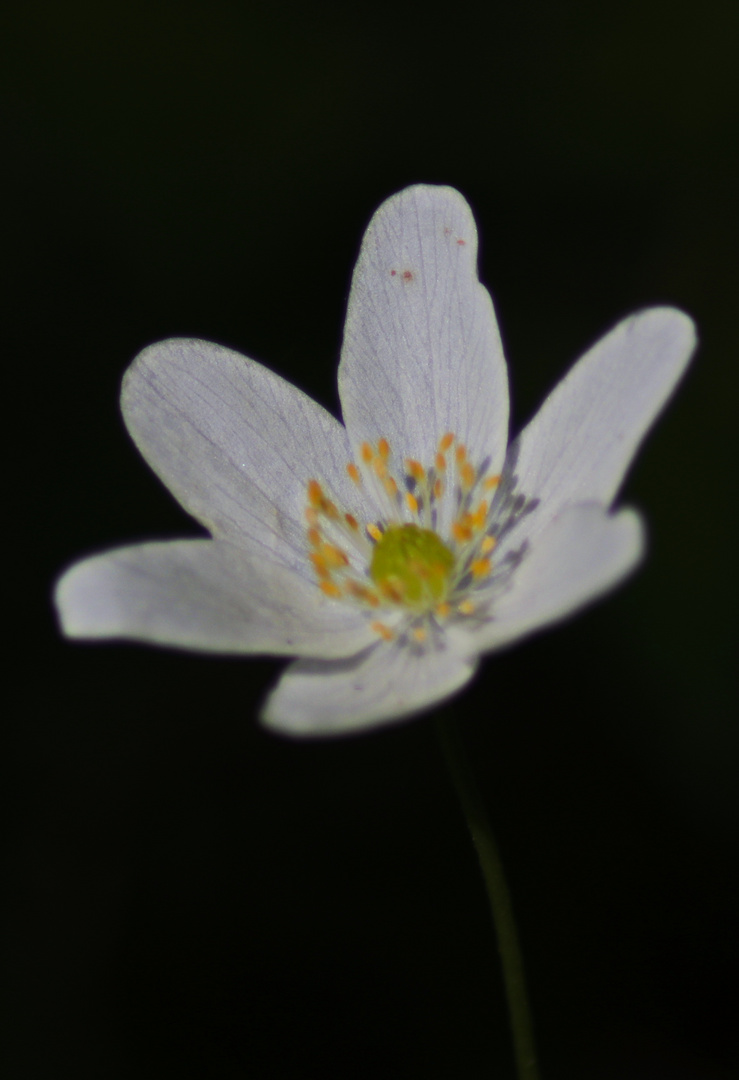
(407, 275)
(393, 273)
(461, 242)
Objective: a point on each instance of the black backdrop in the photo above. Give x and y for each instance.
(190, 897)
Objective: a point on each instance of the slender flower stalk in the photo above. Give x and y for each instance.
(499, 897)
(388, 553)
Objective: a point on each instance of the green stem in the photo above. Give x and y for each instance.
(498, 896)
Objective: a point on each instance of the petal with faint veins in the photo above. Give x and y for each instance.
(422, 353)
(581, 442)
(579, 556)
(381, 685)
(205, 595)
(235, 443)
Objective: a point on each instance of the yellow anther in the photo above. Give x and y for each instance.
(461, 532)
(361, 592)
(330, 588)
(487, 545)
(480, 515)
(319, 565)
(374, 532)
(467, 472)
(460, 453)
(491, 482)
(440, 462)
(419, 633)
(354, 472)
(334, 556)
(416, 470)
(442, 611)
(380, 467)
(446, 441)
(384, 631)
(383, 448)
(351, 522)
(466, 607)
(315, 493)
(411, 502)
(390, 487)
(367, 452)
(314, 537)
(329, 509)
(438, 488)
(311, 516)
(480, 568)
(392, 591)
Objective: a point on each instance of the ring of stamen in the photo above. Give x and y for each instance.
(399, 561)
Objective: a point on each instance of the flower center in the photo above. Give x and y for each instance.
(419, 552)
(412, 565)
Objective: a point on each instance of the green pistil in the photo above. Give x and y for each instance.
(414, 564)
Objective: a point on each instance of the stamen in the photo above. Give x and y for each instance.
(334, 556)
(467, 472)
(330, 589)
(480, 515)
(392, 592)
(387, 562)
(361, 592)
(319, 565)
(461, 531)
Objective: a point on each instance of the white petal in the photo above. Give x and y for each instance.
(234, 442)
(380, 685)
(582, 440)
(422, 353)
(578, 557)
(205, 595)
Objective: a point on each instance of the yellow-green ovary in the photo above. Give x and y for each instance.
(414, 563)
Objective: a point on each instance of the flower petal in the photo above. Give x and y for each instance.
(382, 684)
(578, 557)
(582, 440)
(422, 353)
(234, 442)
(206, 595)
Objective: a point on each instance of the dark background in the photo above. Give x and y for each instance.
(192, 898)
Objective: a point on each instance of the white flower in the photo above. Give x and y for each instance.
(391, 552)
